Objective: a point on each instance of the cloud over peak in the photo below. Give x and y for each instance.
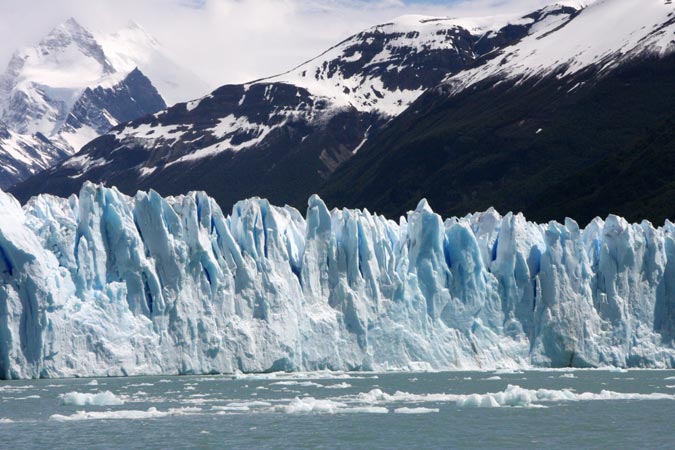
(228, 41)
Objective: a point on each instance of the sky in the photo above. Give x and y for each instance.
(230, 41)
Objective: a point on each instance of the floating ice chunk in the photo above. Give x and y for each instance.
(342, 385)
(568, 375)
(494, 378)
(231, 408)
(312, 405)
(251, 404)
(508, 372)
(611, 395)
(325, 406)
(5, 420)
(297, 383)
(419, 410)
(364, 410)
(10, 388)
(374, 395)
(93, 383)
(513, 395)
(151, 413)
(105, 398)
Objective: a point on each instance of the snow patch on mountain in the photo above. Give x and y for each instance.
(227, 129)
(23, 155)
(604, 34)
(391, 47)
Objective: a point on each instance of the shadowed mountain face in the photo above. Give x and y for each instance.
(292, 157)
(102, 108)
(533, 147)
(283, 137)
(573, 120)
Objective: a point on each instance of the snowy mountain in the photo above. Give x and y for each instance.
(282, 137)
(74, 86)
(104, 284)
(21, 155)
(574, 120)
(605, 35)
(387, 67)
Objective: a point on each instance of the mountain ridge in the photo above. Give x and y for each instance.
(282, 140)
(504, 139)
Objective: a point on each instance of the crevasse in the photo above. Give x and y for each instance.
(105, 284)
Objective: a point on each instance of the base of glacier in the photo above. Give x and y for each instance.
(103, 284)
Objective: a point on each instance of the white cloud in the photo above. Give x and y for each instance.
(228, 41)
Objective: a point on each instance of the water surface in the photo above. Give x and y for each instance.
(532, 409)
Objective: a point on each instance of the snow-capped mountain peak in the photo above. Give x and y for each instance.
(602, 35)
(42, 83)
(385, 68)
(73, 86)
(133, 47)
(69, 49)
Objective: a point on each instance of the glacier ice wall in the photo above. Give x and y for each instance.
(105, 284)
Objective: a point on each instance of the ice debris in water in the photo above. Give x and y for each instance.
(296, 383)
(338, 386)
(513, 395)
(326, 406)
(151, 413)
(105, 398)
(419, 410)
(103, 284)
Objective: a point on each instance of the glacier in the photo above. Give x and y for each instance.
(103, 284)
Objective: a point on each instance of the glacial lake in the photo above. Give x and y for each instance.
(497, 409)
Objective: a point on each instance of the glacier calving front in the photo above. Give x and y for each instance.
(105, 284)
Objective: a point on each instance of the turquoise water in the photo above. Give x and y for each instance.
(541, 409)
